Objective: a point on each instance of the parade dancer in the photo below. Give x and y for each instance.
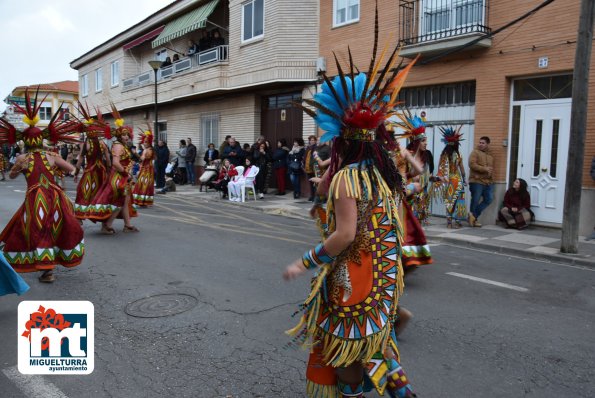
(451, 178)
(144, 188)
(348, 316)
(44, 231)
(97, 160)
(114, 198)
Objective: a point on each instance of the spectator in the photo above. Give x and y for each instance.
(309, 164)
(269, 174)
(204, 43)
(226, 173)
(481, 179)
(233, 152)
(246, 148)
(235, 186)
(162, 159)
(211, 154)
(295, 164)
(217, 40)
(262, 158)
(176, 58)
(224, 144)
(516, 212)
(181, 152)
(64, 152)
(190, 159)
(169, 185)
(192, 47)
(280, 165)
(167, 62)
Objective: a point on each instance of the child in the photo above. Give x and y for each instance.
(170, 185)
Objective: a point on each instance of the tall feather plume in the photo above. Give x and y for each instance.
(397, 83)
(333, 91)
(352, 75)
(8, 133)
(342, 79)
(389, 65)
(322, 108)
(373, 80)
(373, 60)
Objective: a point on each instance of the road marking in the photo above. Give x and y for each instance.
(33, 385)
(489, 282)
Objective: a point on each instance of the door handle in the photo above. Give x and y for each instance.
(544, 169)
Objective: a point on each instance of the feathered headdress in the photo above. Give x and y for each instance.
(414, 126)
(33, 136)
(450, 136)
(93, 127)
(354, 106)
(146, 136)
(120, 129)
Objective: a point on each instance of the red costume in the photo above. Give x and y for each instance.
(144, 189)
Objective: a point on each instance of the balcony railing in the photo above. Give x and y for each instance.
(429, 20)
(199, 60)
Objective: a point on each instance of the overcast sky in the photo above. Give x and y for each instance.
(40, 38)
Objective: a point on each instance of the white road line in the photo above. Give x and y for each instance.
(33, 385)
(489, 282)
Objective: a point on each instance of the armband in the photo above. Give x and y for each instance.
(316, 257)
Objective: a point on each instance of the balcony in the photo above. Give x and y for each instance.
(198, 61)
(429, 27)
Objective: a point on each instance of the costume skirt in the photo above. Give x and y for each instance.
(416, 250)
(88, 187)
(111, 198)
(144, 189)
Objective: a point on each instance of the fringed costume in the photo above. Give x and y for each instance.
(451, 187)
(144, 189)
(348, 316)
(95, 154)
(44, 231)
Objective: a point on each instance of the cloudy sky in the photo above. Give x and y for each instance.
(40, 38)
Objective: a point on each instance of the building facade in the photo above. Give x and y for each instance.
(514, 86)
(241, 84)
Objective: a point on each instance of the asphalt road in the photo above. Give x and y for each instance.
(485, 325)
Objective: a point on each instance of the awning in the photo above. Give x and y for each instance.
(140, 40)
(193, 20)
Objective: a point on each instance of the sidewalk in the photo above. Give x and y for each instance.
(533, 242)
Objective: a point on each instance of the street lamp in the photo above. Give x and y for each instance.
(155, 64)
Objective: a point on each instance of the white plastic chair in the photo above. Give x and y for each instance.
(249, 183)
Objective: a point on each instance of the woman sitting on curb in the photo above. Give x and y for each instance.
(517, 206)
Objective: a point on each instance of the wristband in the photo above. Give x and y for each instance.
(316, 257)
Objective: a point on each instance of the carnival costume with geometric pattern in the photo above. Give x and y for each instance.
(416, 250)
(144, 188)
(44, 231)
(348, 317)
(452, 192)
(111, 196)
(95, 172)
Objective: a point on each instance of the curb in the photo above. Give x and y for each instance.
(554, 258)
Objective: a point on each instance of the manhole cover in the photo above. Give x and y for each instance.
(161, 305)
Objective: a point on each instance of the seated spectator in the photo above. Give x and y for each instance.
(176, 58)
(516, 212)
(235, 186)
(166, 63)
(226, 173)
(192, 47)
(170, 185)
(211, 154)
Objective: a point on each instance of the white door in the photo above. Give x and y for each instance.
(543, 157)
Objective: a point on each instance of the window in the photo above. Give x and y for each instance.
(98, 80)
(115, 73)
(542, 88)
(65, 112)
(453, 94)
(210, 129)
(458, 16)
(345, 11)
(161, 55)
(252, 19)
(85, 85)
(45, 112)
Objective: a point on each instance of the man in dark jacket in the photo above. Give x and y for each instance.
(161, 161)
(234, 152)
(190, 158)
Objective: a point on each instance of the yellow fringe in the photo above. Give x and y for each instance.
(321, 390)
(340, 352)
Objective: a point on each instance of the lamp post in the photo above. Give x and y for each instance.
(155, 64)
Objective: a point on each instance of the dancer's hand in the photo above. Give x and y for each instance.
(294, 270)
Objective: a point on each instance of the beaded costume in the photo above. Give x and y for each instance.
(44, 231)
(348, 316)
(144, 189)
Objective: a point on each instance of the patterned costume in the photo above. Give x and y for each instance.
(349, 314)
(450, 166)
(95, 172)
(44, 231)
(144, 188)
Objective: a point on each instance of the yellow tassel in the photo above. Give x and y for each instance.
(119, 122)
(314, 390)
(89, 121)
(30, 122)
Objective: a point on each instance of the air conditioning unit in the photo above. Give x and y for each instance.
(321, 64)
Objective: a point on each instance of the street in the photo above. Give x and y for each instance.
(216, 307)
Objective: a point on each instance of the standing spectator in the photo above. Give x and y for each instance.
(64, 152)
(204, 43)
(261, 158)
(190, 159)
(224, 144)
(280, 165)
(309, 164)
(592, 237)
(166, 63)
(233, 152)
(211, 154)
(295, 164)
(267, 180)
(192, 47)
(216, 39)
(481, 180)
(161, 163)
(176, 58)
(181, 152)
